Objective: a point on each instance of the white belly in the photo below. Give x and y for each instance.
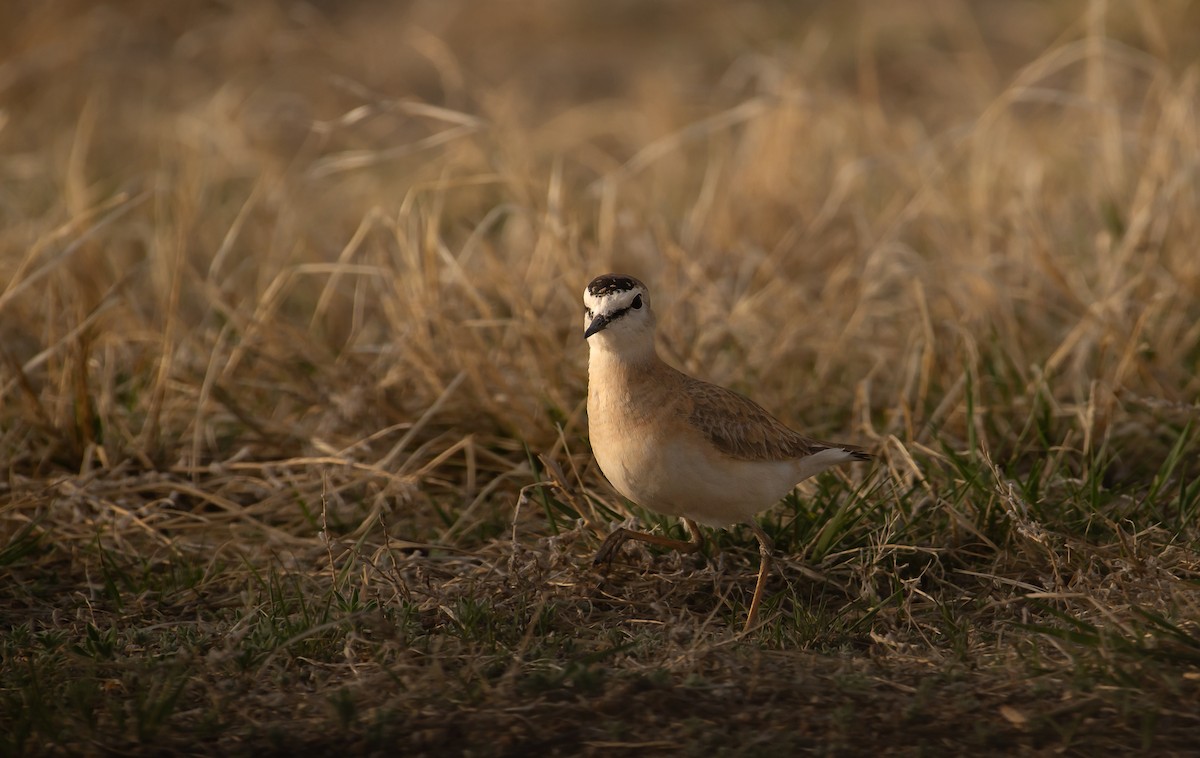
(681, 478)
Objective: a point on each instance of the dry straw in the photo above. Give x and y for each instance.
(290, 330)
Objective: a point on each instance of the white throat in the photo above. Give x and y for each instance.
(623, 344)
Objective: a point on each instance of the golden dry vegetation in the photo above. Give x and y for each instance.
(292, 377)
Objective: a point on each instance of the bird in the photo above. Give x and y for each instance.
(680, 446)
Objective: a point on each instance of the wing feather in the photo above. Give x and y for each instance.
(743, 429)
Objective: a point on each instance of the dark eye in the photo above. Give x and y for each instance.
(637, 302)
(587, 312)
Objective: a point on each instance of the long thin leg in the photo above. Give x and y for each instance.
(612, 543)
(765, 548)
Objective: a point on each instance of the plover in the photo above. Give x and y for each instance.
(681, 446)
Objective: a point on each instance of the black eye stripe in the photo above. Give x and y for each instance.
(618, 314)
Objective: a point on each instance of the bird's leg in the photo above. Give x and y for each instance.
(765, 547)
(612, 543)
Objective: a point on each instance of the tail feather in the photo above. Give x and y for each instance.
(855, 452)
(829, 455)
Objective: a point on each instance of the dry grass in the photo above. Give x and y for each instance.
(291, 377)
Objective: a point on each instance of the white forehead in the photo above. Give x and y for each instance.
(612, 300)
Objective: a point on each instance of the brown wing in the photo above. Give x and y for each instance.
(741, 428)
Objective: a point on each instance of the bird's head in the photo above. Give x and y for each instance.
(617, 313)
